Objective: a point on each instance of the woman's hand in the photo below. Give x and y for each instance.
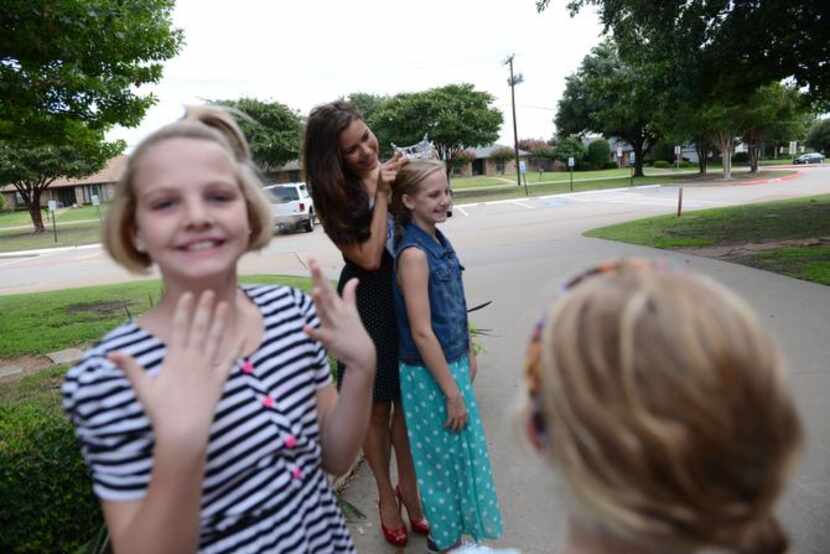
(456, 412)
(181, 399)
(389, 171)
(341, 331)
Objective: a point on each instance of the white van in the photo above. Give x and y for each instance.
(291, 206)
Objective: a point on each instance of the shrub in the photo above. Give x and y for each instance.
(740, 158)
(46, 499)
(610, 165)
(685, 164)
(662, 164)
(599, 152)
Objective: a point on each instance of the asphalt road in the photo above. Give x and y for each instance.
(517, 253)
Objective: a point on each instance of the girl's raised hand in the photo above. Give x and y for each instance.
(341, 331)
(181, 399)
(389, 171)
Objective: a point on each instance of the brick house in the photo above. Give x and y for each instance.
(485, 165)
(69, 192)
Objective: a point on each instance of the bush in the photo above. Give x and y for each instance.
(610, 165)
(663, 151)
(599, 152)
(46, 499)
(740, 158)
(662, 164)
(685, 164)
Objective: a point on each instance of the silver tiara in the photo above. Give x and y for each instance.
(423, 150)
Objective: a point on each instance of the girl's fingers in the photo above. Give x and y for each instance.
(202, 316)
(350, 292)
(323, 312)
(313, 333)
(324, 299)
(181, 320)
(213, 338)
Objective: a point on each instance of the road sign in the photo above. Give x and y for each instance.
(53, 205)
(95, 200)
(676, 149)
(632, 158)
(522, 167)
(619, 151)
(793, 145)
(571, 162)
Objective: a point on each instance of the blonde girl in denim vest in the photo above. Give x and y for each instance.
(437, 365)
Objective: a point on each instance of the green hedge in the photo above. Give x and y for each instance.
(46, 499)
(662, 164)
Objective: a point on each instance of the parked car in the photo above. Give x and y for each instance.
(292, 207)
(811, 158)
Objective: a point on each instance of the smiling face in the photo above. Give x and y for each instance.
(430, 203)
(358, 147)
(191, 216)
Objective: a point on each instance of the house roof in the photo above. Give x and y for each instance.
(110, 173)
(487, 151)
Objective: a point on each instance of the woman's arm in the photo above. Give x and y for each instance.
(368, 254)
(343, 419)
(413, 276)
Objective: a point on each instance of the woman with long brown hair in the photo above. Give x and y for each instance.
(350, 189)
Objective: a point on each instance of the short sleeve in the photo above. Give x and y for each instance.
(115, 435)
(320, 363)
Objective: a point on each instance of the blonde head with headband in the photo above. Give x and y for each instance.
(208, 123)
(665, 409)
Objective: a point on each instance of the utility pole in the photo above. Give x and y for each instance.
(513, 81)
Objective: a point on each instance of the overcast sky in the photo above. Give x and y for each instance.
(303, 53)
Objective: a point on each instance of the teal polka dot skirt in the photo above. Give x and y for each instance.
(453, 468)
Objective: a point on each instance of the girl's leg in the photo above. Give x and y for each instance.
(376, 450)
(406, 467)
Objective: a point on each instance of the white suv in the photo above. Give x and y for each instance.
(291, 205)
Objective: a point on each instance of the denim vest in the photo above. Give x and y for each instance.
(447, 304)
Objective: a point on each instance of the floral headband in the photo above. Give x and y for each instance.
(537, 428)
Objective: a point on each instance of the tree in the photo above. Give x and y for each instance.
(366, 103)
(461, 158)
(599, 153)
(454, 117)
(610, 97)
(819, 136)
(502, 155)
(273, 130)
(727, 47)
(772, 114)
(540, 151)
(570, 147)
(32, 167)
(80, 62)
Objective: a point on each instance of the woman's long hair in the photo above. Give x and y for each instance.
(339, 197)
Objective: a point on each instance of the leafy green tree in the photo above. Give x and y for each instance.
(501, 156)
(453, 116)
(273, 130)
(772, 114)
(461, 158)
(599, 153)
(32, 166)
(725, 47)
(540, 151)
(818, 138)
(367, 102)
(571, 147)
(610, 97)
(80, 62)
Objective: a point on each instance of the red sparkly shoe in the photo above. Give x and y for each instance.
(395, 537)
(420, 526)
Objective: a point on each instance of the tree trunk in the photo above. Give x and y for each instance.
(638, 157)
(725, 140)
(702, 155)
(754, 156)
(35, 212)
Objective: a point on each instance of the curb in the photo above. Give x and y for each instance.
(563, 195)
(24, 253)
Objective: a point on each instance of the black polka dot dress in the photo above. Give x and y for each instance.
(376, 306)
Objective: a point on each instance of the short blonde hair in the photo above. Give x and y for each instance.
(666, 410)
(208, 123)
(407, 181)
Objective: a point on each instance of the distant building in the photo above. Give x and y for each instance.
(483, 164)
(71, 192)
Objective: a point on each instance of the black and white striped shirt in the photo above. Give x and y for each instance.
(264, 489)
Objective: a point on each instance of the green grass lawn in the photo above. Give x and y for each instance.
(800, 218)
(63, 215)
(43, 322)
